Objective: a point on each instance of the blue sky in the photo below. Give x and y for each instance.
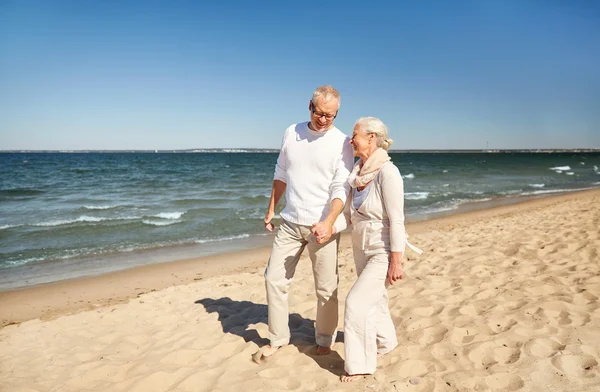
(184, 74)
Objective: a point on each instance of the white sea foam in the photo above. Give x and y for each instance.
(561, 168)
(555, 191)
(582, 163)
(16, 263)
(445, 171)
(416, 195)
(226, 238)
(570, 173)
(84, 218)
(537, 185)
(411, 176)
(512, 192)
(595, 168)
(99, 207)
(6, 227)
(159, 223)
(559, 171)
(169, 215)
(446, 185)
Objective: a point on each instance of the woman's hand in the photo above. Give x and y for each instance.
(395, 271)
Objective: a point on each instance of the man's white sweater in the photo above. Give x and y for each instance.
(315, 167)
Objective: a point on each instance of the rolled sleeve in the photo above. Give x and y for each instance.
(344, 220)
(392, 188)
(340, 187)
(281, 165)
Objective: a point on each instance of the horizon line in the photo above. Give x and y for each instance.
(242, 150)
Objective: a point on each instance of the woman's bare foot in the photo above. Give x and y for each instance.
(352, 377)
(322, 350)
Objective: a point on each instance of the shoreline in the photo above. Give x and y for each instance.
(56, 271)
(51, 300)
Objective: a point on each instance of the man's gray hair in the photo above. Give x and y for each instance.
(328, 93)
(377, 127)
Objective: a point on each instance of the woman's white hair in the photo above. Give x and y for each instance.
(328, 93)
(377, 127)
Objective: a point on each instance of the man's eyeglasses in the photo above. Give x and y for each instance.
(328, 117)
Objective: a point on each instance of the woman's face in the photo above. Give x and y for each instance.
(361, 142)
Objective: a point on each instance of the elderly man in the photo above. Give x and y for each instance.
(312, 168)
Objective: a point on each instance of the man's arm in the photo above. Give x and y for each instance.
(339, 191)
(324, 229)
(276, 192)
(279, 184)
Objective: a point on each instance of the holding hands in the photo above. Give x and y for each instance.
(323, 231)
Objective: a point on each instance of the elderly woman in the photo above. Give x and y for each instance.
(375, 209)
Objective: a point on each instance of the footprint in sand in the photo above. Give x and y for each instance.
(427, 311)
(412, 368)
(281, 377)
(487, 354)
(542, 347)
(504, 382)
(584, 298)
(576, 365)
(421, 323)
(501, 324)
(432, 335)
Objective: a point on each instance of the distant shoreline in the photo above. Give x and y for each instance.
(269, 150)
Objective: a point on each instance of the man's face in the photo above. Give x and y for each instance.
(322, 113)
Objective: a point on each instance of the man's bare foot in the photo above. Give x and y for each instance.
(264, 353)
(322, 350)
(352, 377)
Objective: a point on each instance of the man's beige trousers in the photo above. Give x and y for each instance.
(290, 241)
(368, 325)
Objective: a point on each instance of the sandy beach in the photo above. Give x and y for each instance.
(503, 299)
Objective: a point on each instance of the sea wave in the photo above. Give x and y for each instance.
(4, 227)
(562, 168)
(569, 173)
(159, 223)
(99, 207)
(224, 238)
(19, 262)
(556, 191)
(169, 215)
(537, 185)
(409, 176)
(85, 218)
(416, 195)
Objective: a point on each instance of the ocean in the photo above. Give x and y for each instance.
(65, 215)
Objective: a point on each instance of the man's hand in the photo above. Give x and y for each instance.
(268, 217)
(395, 271)
(323, 231)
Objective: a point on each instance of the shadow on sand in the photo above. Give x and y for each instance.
(237, 316)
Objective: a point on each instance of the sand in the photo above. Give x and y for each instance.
(504, 299)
